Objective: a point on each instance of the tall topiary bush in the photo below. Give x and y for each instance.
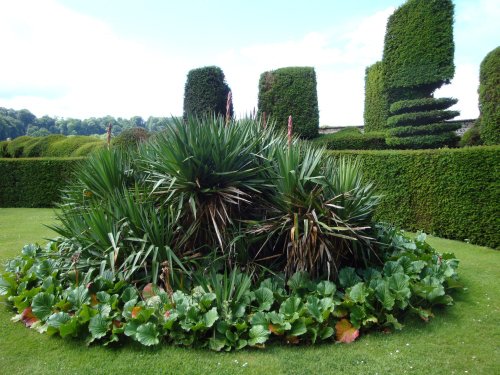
(376, 100)
(489, 98)
(291, 91)
(418, 59)
(206, 92)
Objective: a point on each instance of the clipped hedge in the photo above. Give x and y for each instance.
(421, 118)
(206, 92)
(291, 91)
(416, 142)
(131, 138)
(34, 182)
(452, 193)
(376, 100)
(431, 129)
(352, 139)
(54, 145)
(419, 47)
(489, 98)
(422, 104)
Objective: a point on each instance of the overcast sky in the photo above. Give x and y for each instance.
(91, 58)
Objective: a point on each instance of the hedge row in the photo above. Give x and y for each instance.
(453, 193)
(291, 91)
(431, 129)
(54, 145)
(34, 182)
(489, 98)
(352, 139)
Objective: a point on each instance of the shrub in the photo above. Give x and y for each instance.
(88, 148)
(291, 91)
(15, 147)
(419, 48)
(34, 182)
(3, 149)
(67, 146)
(423, 104)
(352, 139)
(206, 92)
(472, 137)
(449, 192)
(131, 138)
(421, 118)
(489, 98)
(376, 101)
(431, 129)
(38, 146)
(446, 139)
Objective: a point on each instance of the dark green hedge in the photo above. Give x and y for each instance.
(291, 91)
(489, 98)
(376, 100)
(131, 138)
(352, 139)
(421, 118)
(453, 193)
(205, 92)
(416, 142)
(423, 104)
(419, 47)
(34, 182)
(431, 129)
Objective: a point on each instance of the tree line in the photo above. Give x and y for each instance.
(15, 123)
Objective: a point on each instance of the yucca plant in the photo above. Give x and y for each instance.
(320, 213)
(210, 171)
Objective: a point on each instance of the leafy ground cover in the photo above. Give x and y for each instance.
(463, 337)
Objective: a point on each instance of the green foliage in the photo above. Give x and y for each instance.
(131, 138)
(54, 145)
(431, 129)
(419, 48)
(105, 309)
(205, 93)
(352, 139)
(34, 182)
(291, 91)
(420, 118)
(422, 104)
(489, 98)
(450, 193)
(472, 137)
(376, 100)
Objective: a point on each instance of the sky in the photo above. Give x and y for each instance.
(92, 58)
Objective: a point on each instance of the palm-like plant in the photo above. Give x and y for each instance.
(320, 212)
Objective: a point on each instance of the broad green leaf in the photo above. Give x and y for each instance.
(399, 286)
(99, 326)
(326, 288)
(206, 300)
(259, 318)
(147, 334)
(216, 343)
(299, 280)
(131, 328)
(79, 296)
(298, 327)
(42, 305)
(391, 321)
(391, 268)
(69, 328)
(326, 332)
(258, 335)
(58, 319)
(290, 308)
(314, 308)
(384, 295)
(129, 294)
(210, 317)
(348, 277)
(358, 293)
(45, 268)
(264, 298)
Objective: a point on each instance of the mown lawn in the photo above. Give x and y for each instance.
(461, 339)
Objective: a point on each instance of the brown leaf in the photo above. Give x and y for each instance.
(345, 332)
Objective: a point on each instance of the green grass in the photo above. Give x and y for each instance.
(464, 338)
